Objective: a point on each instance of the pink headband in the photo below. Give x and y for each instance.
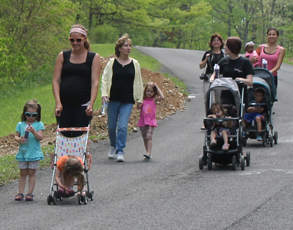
(78, 30)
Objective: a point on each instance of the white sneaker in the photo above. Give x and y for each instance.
(120, 157)
(112, 153)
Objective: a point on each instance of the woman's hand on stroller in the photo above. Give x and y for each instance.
(58, 109)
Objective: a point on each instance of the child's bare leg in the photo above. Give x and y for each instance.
(32, 180)
(213, 135)
(22, 180)
(258, 124)
(149, 146)
(225, 136)
(143, 134)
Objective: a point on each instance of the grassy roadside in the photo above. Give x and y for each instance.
(12, 107)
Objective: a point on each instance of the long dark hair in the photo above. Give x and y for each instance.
(34, 105)
(73, 167)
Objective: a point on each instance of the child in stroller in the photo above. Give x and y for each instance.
(220, 128)
(69, 168)
(255, 113)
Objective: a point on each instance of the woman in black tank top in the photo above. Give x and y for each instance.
(76, 82)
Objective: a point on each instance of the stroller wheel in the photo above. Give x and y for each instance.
(200, 163)
(242, 162)
(271, 141)
(276, 137)
(210, 163)
(79, 199)
(85, 199)
(49, 199)
(54, 199)
(247, 158)
(234, 162)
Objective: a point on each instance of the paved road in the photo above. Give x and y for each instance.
(170, 192)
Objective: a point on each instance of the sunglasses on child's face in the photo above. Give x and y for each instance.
(27, 114)
(77, 39)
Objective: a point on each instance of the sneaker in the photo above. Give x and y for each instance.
(258, 138)
(120, 157)
(112, 153)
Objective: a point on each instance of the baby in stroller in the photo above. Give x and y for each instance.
(69, 168)
(219, 128)
(255, 113)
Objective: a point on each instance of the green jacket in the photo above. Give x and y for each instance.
(107, 81)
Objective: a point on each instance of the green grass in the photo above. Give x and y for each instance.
(12, 106)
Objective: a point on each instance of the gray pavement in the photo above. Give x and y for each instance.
(170, 192)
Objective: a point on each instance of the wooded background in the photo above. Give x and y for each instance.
(33, 32)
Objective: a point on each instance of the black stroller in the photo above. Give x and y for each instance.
(265, 80)
(226, 91)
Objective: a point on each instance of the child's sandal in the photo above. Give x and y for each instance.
(29, 197)
(225, 147)
(19, 197)
(213, 143)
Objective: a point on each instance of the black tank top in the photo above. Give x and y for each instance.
(75, 86)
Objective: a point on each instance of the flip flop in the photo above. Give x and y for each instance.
(19, 197)
(29, 197)
(147, 156)
(225, 147)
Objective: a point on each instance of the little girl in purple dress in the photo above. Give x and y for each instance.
(147, 121)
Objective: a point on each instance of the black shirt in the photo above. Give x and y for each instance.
(122, 83)
(212, 60)
(240, 67)
(75, 86)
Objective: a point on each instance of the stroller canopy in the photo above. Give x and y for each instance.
(269, 78)
(224, 84)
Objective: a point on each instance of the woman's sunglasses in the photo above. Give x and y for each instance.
(77, 39)
(27, 114)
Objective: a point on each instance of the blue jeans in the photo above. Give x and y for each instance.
(118, 117)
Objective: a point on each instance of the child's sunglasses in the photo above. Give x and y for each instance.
(77, 39)
(27, 114)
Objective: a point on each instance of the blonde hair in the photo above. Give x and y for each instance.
(34, 105)
(86, 42)
(73, 167)
(152, 85)
(120, 42)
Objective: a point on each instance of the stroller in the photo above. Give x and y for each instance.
(75, 146)
(226, 90)
(265, 80)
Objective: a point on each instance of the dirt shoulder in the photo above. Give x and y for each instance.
(174, 102)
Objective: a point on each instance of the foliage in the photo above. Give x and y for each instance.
(32, 33)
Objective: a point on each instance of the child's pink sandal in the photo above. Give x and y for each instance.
(213, 143)
(225, 147)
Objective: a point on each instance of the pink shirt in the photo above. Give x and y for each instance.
(250, 55)
(271, 58)
(148, 113)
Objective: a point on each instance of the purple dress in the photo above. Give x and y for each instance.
(148, 113)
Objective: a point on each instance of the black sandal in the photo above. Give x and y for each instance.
(19, 197)
(29, 197)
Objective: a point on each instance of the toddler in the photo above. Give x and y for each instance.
(147, 121)
(250, 52)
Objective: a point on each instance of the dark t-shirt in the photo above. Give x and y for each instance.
(241, 67)
(122, 83)
(75, 86)
(212, 60)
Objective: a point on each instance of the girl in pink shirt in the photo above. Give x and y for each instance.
(147, 121)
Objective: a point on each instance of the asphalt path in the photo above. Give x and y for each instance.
(169, 191)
